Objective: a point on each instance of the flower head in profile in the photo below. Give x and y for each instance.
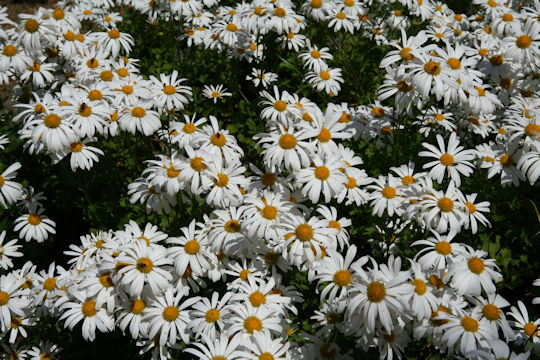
(215, 92)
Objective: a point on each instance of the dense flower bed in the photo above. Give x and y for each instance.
(368, 220)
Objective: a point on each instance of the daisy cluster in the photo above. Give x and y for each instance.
(222, 289)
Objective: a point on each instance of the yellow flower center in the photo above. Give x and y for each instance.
(376, 292)
(76, 146)
(122, 72)
(58, 14)
(304, 232)
(469, 324)
(333, 224)
(491, 312)
(172, 173)
(138, 112)
(252, 323)
(106, 280)
(325, 75)
(378, 112)
(532, 130)
(507, 17)
(476, 265)
(351, 183)
(95, 95)
(432, 68)
(322, 173)
(114, 34)
(232, 27)
(2, 181)
(287, 141)
(389, 192)
(471, 207)
(89, 308)
(169, 89)
(445, 204)
(269, 212)
(232, 226)
(343, 278)
(341, 15)
(407, 180)
(218, 139)
(280, 105)
(197, 164)
(268, 179)
(212, 315)
(454, 63)
(443, 248)
(420, 286)
(507, 160)
(49, 284)
(523, 41)
(145, 265)
(52, 121)
(266, 356)
(483, 52)
(170, 313)
(137, 306)
(280, 12)
(257, 299)
(345, 118)
(106, 75)
(34, 219)
(128, 90)
(189, 128)
(10, 50)
(192, 247)
(244, 274)
(481, 92)
(316, 4)
(4, 298)
(92, 63)
(446, 159)
(405, 54)
(530, 329)
(31, 25)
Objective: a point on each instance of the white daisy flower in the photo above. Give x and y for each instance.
(215, 92)
(324, 178)
(140, 265)
(91, 311)
(10, 191)
(224, 347)
(527, 329)
(452, 159)
(168, 317)
(34, 226)
(192, 252)
(7, 251)
(471, 272)
(209, 315)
